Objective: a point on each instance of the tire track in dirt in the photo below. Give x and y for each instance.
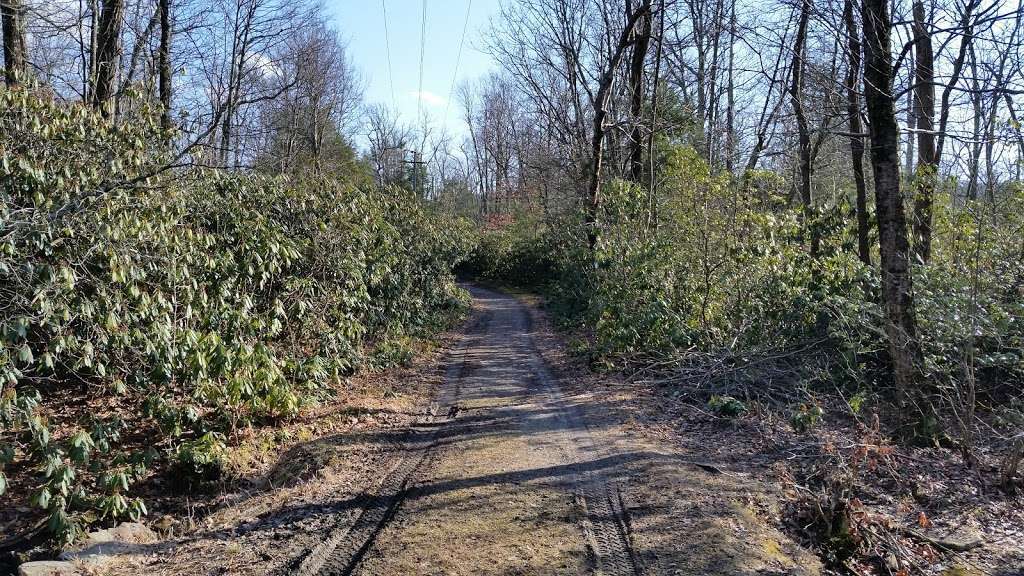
(512, 471)
(605, 523)
(503, 437)
(341, 552)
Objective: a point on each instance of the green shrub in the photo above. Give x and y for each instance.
(397, 352)
(196, 300)
(201, 459)
(519, 254)
(726, 275)
(726, 406)
(806, 417)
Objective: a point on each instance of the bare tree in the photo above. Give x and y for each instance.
(600, 105)
(108, 55)
(15, 50)
(254, 27)
(894, 247)
(389, 139)
(856, 139)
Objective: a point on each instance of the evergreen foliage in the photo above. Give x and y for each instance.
(185, 302)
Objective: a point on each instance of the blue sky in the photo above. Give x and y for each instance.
(361, 23)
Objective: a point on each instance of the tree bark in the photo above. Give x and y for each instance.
(94, 24)
(924, 108)
(894, 247)
(108, 55)
(164, 63)
(15, 48)
(652, 173)
(636, 86)
(910, 160)
(730, 111)
(796, 89)
(604, 90)
(856, 140)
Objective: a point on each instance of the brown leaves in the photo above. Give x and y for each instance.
(922, 520)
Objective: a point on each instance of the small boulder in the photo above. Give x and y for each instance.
(961, 540)
(120, 539)
(127, 532)
(48, 568)
(166, 524)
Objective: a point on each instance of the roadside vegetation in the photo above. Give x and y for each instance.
(830, 284)
(803, 222)
(149, 314)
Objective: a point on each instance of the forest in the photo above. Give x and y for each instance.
(798, 211)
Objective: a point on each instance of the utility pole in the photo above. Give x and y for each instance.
(417, 183)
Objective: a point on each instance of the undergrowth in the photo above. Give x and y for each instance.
(163, 309)
(718, 298)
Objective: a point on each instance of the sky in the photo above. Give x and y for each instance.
(361, 24)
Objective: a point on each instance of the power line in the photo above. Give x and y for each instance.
(417, 184)
(387, 50)
(455, 76)
(423, 49)
(458, 60)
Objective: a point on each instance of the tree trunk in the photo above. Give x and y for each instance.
(240, 46)
(697, 17)
(641, 42)
(856, 140)
(108, 55)
(94, 24)
(767, 117)
(1017, 132)
(910, 159)
(141, 43)
(990, 140)
(652, 185)
(730, 111)
(894, 247)
(974, 160)
(600, 113)
(966, 39)
(796, 89)
(714, 89)
(164, 62)
(924, 107)
(15, 50)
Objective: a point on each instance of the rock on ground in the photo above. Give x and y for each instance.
(48, 568)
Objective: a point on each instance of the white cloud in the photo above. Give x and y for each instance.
(264, 65)
(429, 98)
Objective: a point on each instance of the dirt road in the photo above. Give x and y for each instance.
(515, 475)
(510, 471)
(505, 479)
